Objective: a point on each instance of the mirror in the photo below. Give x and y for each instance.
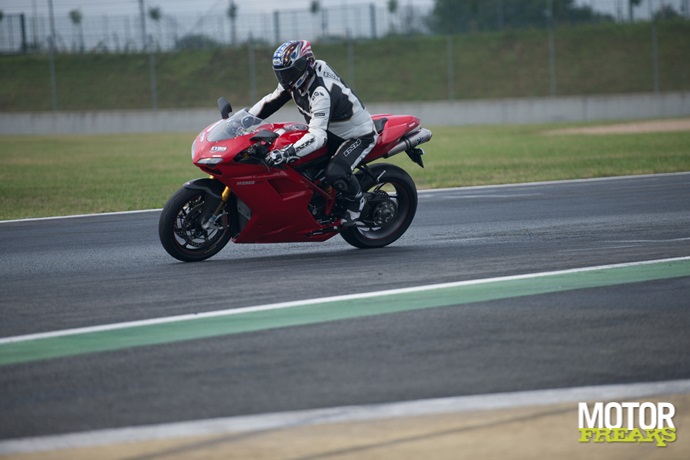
(225, 108)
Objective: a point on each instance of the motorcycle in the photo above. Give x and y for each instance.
(248, 201)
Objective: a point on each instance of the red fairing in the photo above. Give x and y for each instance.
(394, 129)
(279, 199)
(279, 203)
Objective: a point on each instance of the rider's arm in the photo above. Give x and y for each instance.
(270, 103)
(320, 113)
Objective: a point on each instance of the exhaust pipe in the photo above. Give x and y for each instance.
(410, 141)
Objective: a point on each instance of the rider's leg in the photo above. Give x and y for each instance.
(339, 174)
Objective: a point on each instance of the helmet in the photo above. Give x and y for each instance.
(292, 63)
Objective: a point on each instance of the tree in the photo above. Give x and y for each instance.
(232, 14)
(195, 42)
(631, 5)
(76, 18)
(155, 15)
(315, 9)
(455, 16)
(392, 9)
(667, 12)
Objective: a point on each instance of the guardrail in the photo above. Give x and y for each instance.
(456, 113)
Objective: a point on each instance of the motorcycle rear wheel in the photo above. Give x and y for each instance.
(180, 227)
(402, 192)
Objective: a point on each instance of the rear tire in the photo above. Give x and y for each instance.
(180, 226)
(401, 190)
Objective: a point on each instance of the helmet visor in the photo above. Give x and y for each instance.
(288, 77)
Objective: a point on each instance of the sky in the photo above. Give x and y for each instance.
(97, 8)
(174, 7)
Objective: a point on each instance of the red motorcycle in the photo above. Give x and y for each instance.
(248, 201)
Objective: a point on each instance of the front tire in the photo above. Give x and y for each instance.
(181, 230)
(393, 185)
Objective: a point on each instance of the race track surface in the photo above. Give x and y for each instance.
(84, 271)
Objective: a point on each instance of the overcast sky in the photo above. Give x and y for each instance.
(172, 7)
(92, 8)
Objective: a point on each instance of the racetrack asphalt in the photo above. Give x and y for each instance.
(83, 271)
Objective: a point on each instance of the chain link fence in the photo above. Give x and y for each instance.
(135, 33)
(76, 33)
(349, 25)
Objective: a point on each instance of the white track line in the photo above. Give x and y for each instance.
(76, 216)
(282, 420)
(421, 192)
(299, 303)
(555, 182)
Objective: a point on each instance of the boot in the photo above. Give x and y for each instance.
(353, 209)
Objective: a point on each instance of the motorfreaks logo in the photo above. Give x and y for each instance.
(627, 422)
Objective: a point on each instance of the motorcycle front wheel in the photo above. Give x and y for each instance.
(391, 207)
(183, 226)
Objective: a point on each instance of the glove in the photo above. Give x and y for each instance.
(285, 155)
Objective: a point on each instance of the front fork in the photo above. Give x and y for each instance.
(212, 222)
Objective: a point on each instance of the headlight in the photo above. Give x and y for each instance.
(210, 161)
(193, 145)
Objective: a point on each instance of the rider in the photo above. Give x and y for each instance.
(335, 116)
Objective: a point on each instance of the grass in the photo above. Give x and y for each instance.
(65, 175)
(589, 59)
(512, 154)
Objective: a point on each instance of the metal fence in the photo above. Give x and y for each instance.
(346, 27)
(31, 31)
(21, 33)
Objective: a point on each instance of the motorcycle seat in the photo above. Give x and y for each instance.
(379, 123)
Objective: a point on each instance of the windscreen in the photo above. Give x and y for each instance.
(239, 124)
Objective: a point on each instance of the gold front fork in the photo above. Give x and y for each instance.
(224, 199)
(226, 195)
(218, 213)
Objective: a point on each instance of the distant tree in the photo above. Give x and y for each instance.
(195, 42)
(315, 9)
(76, 17)
(393, 10)
(232, 14)
(667, 12)
(454, 16)
(631, 6)
(155, 15)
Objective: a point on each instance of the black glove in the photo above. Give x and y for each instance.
(285, 155)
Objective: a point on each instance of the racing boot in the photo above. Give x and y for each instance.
(353, 209)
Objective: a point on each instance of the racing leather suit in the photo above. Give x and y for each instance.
(335, 116)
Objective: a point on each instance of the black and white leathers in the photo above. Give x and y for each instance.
(333, 112)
